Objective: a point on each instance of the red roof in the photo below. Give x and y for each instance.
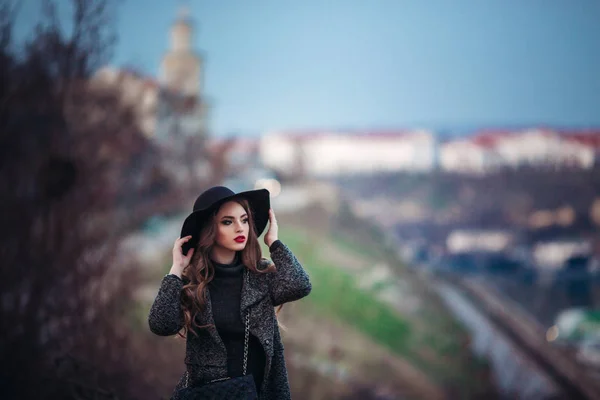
(588, 138)
(490, 138)
(485, 140)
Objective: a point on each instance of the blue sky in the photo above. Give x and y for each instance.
(380, 64)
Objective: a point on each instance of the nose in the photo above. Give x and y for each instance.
(239, 227)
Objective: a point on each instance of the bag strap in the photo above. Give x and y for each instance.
(246, 339)
(247, 328)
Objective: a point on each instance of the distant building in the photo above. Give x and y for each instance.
(171, 110)
(584, 141)
(490, 150)
(328, 154)
(333, 153)
(173, 104)
(543, 147)
(181, 67)
(469, 156)
(182, 108)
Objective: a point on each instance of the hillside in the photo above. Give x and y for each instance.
(362, 294)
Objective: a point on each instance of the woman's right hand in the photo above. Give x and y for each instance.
(179, 260)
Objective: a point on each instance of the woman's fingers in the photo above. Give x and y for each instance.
(189, 254)
(179, 244)
(182, 240)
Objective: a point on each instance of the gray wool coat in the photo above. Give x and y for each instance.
(206, 356)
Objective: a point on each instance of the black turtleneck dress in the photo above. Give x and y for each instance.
(225, 296)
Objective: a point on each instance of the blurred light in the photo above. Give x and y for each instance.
(565, 216)
(478, 239)
(541, 219)
(555, 253)
(272, 185)
(552, 333)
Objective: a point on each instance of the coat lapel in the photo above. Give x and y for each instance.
(253, 290)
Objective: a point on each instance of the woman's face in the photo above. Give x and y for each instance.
(232, 226)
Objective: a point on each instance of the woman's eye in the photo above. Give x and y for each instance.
(228, 222)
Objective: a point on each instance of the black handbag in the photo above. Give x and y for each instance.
(240, 388)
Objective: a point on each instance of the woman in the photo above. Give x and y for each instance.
(219, 281)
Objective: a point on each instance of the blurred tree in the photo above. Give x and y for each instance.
(76, 175)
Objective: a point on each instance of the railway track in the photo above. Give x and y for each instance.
(574, 380)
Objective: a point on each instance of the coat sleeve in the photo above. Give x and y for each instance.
(166, 316)
(290, 282)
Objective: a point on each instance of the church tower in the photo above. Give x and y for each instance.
(181, 67)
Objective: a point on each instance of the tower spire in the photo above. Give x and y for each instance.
(181, 66)
(184, 12)
(182, 31)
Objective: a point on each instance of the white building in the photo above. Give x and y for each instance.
(469, 156)
(490, 150)
(326, 154)
(584, 142)
(543, 147)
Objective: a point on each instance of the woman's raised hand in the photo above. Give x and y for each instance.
(273, 231)
(179, 260)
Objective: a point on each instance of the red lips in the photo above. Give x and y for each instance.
(240, 239)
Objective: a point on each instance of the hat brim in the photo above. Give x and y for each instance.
(259, 201)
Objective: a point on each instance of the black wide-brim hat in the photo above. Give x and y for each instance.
(213, 198)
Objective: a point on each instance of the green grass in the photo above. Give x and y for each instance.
(354, 246)
(336, 294)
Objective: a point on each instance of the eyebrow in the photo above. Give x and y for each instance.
(229, 216)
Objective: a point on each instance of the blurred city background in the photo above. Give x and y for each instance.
(435, 166)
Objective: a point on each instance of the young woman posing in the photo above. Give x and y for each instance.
(220, 295)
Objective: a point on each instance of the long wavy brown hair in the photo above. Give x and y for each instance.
(200, 272)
